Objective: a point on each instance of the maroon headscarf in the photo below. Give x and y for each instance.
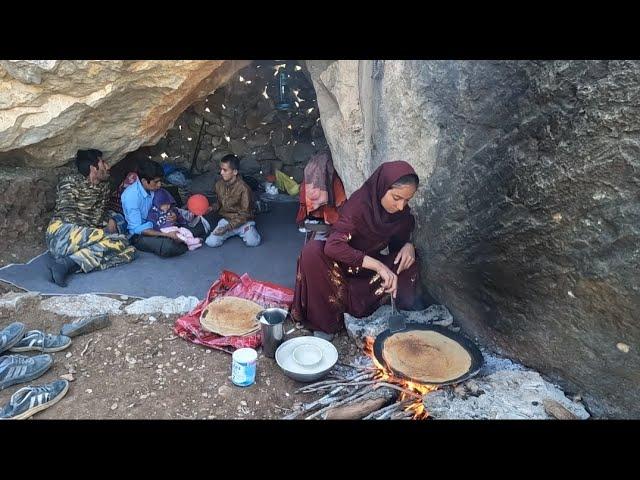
(364, 207)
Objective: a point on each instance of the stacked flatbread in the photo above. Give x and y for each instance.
(231, 316)
(426, 356)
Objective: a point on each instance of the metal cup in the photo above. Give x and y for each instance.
(272, 327)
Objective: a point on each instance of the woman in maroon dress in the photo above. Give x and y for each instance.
(349, 272)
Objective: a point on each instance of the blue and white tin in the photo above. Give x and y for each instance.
(243, 367)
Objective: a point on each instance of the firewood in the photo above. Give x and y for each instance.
(367, 393)
(361, 392)
(347, 384)
(400, 389)
(357, 410)
(556, 410)
(390, 408)
(402, 415)
(332, 383)
(327, 399)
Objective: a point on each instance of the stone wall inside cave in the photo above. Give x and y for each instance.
(241, 117)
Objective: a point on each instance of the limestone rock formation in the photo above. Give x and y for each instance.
(50, 108)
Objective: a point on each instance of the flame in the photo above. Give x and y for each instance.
(384, 374)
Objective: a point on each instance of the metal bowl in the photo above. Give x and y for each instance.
(306, 377)
(307, 355)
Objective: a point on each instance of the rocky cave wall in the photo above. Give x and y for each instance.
(51, 108)
(529, 208)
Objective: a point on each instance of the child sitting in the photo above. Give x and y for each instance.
(166, 218)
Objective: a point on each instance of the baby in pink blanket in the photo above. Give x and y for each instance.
(166, 218)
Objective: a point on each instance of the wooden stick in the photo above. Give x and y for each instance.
(374, 415)
(328, 382)
(325, 399)
(404, 415)
(387, 414)
(361, 392)
(355, 410)
(350, 384)
(357, 367)
(332, 383)
(342, 401)
(310, 406)
(197, 149)
(400, 389)
(86, 347)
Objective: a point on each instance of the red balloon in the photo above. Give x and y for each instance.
(198, 204)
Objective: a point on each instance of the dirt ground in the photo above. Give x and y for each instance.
(138, 369)
(19, 254)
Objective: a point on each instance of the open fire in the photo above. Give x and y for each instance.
(411, 392)
(365, 392)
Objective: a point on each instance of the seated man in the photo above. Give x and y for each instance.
(137, 200)
(81, 234)
(234, 203)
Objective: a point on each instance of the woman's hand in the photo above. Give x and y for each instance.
(406, 257)
(389, 280)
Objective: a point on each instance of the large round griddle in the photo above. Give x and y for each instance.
(468, 345)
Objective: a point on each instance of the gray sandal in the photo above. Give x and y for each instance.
(32, 399)
(20, 368)
(35, 340)
(10, 335)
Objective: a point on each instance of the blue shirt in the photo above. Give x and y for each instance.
(136, 203)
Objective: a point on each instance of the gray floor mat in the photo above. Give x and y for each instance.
(189, 274)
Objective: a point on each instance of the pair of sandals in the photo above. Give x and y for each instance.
(16, 339)
(14, 369)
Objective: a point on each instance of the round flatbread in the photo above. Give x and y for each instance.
(426, 356)
(231, 316)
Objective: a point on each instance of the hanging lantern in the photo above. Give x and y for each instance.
(283, 91)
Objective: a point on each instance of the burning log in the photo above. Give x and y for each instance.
(409, 393)
(364, 406)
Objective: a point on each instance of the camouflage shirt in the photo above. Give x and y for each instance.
(80, 202)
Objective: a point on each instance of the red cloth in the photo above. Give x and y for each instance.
(330, 280)
(229, 283)
(322, 191)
